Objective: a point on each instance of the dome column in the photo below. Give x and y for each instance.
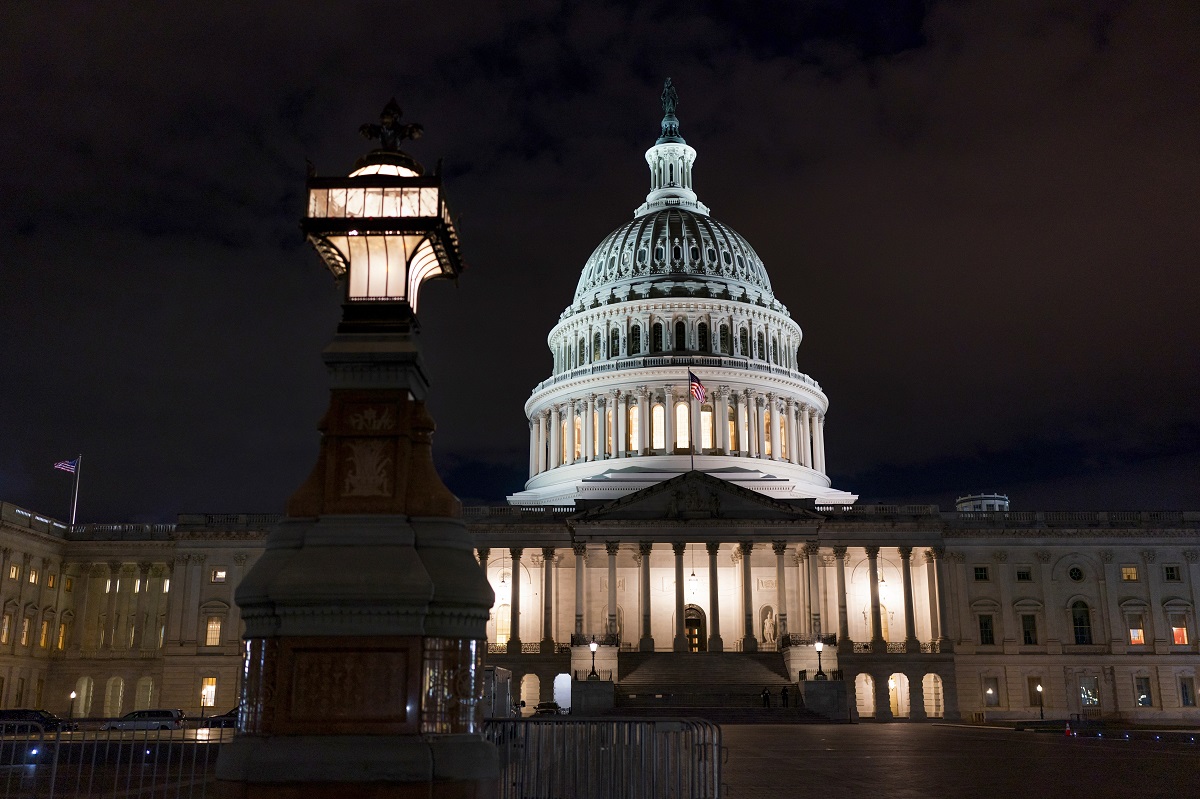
(572, 437)
(793, 447)
(819, 442)
(805, 437)
(533, 443)
(760, 417)
(602, 428)
(555, 437)
(721, 422)
(776, 449)
(643, 420)
(543, 444)
(671, 438)
(620, 424)
(588, 450)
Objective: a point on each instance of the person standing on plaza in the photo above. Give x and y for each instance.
(783, 696)
(766, 697)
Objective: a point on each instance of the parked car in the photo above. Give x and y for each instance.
(547, 709)
(147, 720)
(23, 720)
(228, 719)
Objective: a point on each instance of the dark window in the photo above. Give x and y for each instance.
(710, 254)
(1076, 574)
(680, 336)
(656, 342)
(1029, 628)
(725, 257)
(725, 343)
(635, 340)
(1024, 574)
(981, 574)
(744, 340)
(774, 352)
(677, 252)
(659, 253)
(694, 252)
(641, 258)
(596, 347)
(581, 353)
(1081, 621)
(987, 632)
(1142, 692)
(1171, 574)
(614, 343)
(761, 352)
(702, 337)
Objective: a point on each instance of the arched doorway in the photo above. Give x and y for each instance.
(695, 627)
(932, 688)
(898, 695)
(864, 695)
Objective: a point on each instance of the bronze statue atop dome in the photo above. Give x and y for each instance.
(670, 98)
(390, 131)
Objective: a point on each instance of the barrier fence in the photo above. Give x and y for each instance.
(555, 758)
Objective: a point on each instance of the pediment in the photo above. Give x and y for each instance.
(696, 496)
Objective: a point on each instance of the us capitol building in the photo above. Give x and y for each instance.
(686, 526)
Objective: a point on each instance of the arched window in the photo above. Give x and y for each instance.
(635, 340)
(659, 253)
(658, 427)
(670, 173)
(783, 438)
(694, 253)
(578, 436)
(725, 342)
(680, 336)
(702, 337)
(634, 432)
(609, 435)
(706, 427)
(683, 432)
(677, 253)
(642, 255)
(656, 337)
(614, 343)
(596, 433)
(143, 698)
(761, 352)
(775, 351)
(503, 623)
(114, 694)
(767, 434)
(595, 347)
(725, 257)
(581, 353)
(1081, 621)
(744, 341)
(563, 441)
(734, 445)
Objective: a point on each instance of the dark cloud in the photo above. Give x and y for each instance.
(982, 218)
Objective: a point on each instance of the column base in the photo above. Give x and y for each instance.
(548, 646)
(945, 645)
(646, 644)
(749, 644)
(715, 644)
(912, 645)
(879, 646)
(681, 644)
(513, 647)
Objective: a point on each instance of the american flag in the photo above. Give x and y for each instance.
(67, 466)
(697, 387)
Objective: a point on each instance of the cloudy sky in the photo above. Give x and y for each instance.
(983, 215)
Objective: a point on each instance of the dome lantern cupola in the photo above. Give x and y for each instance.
(670, 161)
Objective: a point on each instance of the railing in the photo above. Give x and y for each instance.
(862, 647)
(931, 647)
(583, 675)
(585, 639)
(88, 760)
(607, 759)
(654, 361)
(896, 648)
(796, 639)
(833, 674)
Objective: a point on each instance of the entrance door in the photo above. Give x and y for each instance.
(695, 629)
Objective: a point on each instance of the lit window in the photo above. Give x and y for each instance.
(658, 427)
(51, 580)
(1129, 574)
(1171, 574)
(61, 643)
(14, 571)
(706, 428)
(212, 636)
(1024, 574)
(634, 434)
(33, 576)
(25, 631)
(44, 635)
(1178, 622)
(218, 576)
(5, 628)
(1187, 691)
(69, 585)
(1089, 691)
(767, 433)
(987, 631)
(137, 586)
(166, 585)
(682, 426)
(1137, 632)
(208, 692)
(991, 691)
(1142, 691)
(981, 574)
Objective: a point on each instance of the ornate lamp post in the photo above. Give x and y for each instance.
(366, 615)
(820, 675)
(593, 675)
(71, 711)
(1041, 703)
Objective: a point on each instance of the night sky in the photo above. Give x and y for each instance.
(983, 216)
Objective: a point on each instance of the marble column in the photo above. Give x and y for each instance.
(543, 421)
(931, 591)
(580, 551)
(514, 606)
(646, 644)
(939, 560)
(79, 622)
(773, 424)
(760, 419)
(721, 420)
(802, 618)
(588, 450)
(793, 448)
(805, 437)
(139, 613)
(556, 446)
(819, 443)
(844, 644)
(780, 549)
(533, 442)
(612, 548)
(602, 432)
(108, 637)
(813, 550)
(671, 439)
(749, 642)
(643, 395)
(484, 553)
(620, 423)
(714, 611)
(681, 642)
(572, 436)
(548, 600)
(911, 644)
(877, 642)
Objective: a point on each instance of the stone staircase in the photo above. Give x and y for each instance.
(723, 687)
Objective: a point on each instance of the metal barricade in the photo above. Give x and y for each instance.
(607, 758)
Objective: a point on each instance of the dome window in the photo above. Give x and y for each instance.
(680, 336)
(635, 340)
(677, 253)
(642, 256)
(741, 264)
(656, 337)
(744, 340)
(775, 351)
(725, 257)
(659, 254)
(614, 343)
(596, 347)
(702, 337)
(581, 353)
(762, 347)
(694, 253)
(724, 342)
(710, 254)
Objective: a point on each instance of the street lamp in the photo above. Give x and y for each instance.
(593, 646)
(1041, 703)
(820, 674)
(71, 712)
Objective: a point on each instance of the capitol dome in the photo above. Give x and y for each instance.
(670, 296)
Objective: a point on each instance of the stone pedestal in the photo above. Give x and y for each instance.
(590, 697)
(829, 698)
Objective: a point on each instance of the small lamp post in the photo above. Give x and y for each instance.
(71, 711)
(820, 675)
(1041, 703)
(593, 675)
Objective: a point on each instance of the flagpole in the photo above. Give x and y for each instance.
(75, 496)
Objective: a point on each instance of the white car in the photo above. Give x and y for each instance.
(147, 720)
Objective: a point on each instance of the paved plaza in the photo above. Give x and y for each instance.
(897, 761)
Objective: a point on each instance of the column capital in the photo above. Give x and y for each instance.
(144, 568)
(905, 552)
(548, 554)
(114, 567)
(872, 552)
(812, 547)
(746, 547)
(515, 552)
(712, 546)
(678, 547)
(938, 552)
(779, 547)
(642, 392)
(840, 552)
(579, 548)
(1191, 555)
(612, 547)
(1148, 555)
(599, 400)
(644, 548)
